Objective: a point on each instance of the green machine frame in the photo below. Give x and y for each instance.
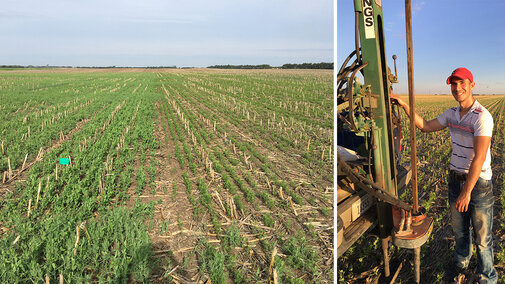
(369, 18)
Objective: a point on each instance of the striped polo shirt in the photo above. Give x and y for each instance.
(476, 122)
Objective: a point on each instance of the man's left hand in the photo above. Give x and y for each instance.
(463, 201)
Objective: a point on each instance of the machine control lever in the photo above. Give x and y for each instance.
(394, 78)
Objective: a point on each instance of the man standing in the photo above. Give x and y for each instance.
(470, 189)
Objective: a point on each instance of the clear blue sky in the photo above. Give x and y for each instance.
(165, 32)
(446, 34)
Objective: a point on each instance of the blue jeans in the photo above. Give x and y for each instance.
(480, 215)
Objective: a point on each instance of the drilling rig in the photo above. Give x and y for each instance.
(370, 178)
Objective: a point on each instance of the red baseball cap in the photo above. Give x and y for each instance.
(461, 73)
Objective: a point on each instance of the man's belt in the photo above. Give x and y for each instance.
(457, 175)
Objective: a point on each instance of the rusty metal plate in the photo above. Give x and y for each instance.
(417, 237)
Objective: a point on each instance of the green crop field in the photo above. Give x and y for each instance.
(362, 262)
(173, 176)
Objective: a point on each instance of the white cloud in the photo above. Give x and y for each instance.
(417, 7)
(414, 8)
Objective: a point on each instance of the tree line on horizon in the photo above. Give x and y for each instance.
(322, 65)
(92, 67)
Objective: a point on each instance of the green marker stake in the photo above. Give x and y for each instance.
(64, 161)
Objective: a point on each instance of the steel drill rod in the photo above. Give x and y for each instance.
(417, 264)
(413, 152)
(410, 65)
(385, 254)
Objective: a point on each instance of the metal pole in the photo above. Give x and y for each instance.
(385, 253)
(356, 36)
(410, 65)
(413, 153)
(417, 264)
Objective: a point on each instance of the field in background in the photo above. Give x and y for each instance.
(173, 175)
(363, 261)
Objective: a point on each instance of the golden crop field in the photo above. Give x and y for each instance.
(363, 261)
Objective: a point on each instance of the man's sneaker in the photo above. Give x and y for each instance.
(454, 274)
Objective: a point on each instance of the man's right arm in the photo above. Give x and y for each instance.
(423, 125)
